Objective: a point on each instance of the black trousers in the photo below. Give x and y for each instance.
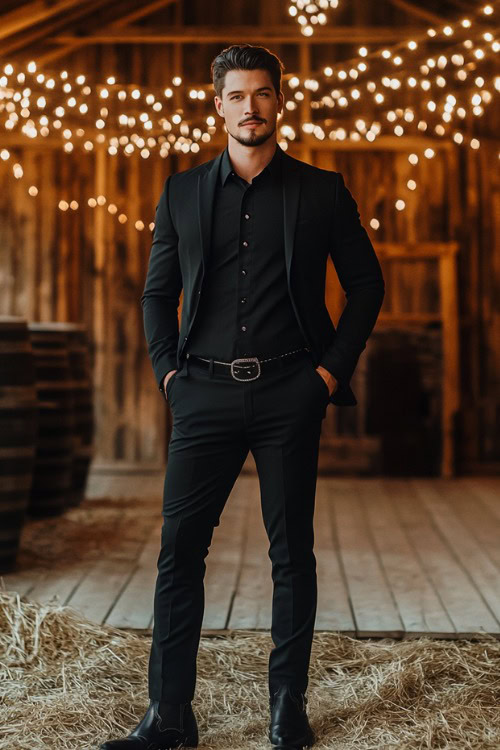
(216, 421)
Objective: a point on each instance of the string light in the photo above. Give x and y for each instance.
(355, 94)
(387, 53)
(27, 98)
(308, 14)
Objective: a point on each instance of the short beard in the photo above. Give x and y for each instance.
(253, 140)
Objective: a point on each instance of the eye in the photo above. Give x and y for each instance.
(261, 93)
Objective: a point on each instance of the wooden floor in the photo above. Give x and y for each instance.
(395, 557)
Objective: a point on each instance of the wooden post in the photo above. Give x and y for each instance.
(102, 358)
(305, 106)
(450, 343)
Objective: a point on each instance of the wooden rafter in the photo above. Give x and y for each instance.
(144, 10)
(133, 15)
(222, 34)
(462, 4)
(32, 13)
(418, 12)
(382, 143)
(41, 32)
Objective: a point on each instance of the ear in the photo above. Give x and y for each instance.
(281, 102)
(218, 103)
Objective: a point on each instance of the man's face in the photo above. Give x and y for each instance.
(249, 95)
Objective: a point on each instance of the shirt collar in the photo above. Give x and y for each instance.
(273, 168)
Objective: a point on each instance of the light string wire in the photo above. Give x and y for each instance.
(9, 95)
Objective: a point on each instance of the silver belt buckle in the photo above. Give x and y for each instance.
(245, 359)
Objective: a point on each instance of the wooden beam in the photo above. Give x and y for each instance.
(418, 12)
(448, 277)
(382, 143)
(132, 15)
(31, 13)
(415, 251)
(31, 35)
(304, 112)
(286, 34)
(100, 299)
(144, 10)
(462, 4)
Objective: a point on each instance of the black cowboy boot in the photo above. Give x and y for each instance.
(164, 726)
(289, 727)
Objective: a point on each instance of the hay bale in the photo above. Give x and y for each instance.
(69, 684)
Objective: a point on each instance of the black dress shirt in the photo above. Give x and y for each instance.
(245, 308)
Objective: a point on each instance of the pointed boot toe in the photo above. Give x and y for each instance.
(164, 726)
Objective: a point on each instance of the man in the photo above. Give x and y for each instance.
(254, 365)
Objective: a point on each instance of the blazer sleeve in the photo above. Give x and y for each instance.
(360, 276)
(160, 298)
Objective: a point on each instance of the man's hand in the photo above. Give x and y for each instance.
(165, 380)
(328, 378)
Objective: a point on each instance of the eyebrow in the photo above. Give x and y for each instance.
(262, 88)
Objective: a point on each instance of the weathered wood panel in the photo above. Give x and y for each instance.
(85, 266)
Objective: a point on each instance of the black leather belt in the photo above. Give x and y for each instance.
(247, 368)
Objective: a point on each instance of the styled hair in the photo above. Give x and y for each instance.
(245, 57)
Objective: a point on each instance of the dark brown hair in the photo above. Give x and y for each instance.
(245, 57)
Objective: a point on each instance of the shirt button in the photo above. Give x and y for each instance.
(247, 216)
(243, 328)
(243, 273)
(243, 299)
(245, 243)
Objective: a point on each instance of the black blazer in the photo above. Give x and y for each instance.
(320, 219)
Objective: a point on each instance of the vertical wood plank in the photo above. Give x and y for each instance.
(451, 370)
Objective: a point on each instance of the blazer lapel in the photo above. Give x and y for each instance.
(291, 197)
(207, 183)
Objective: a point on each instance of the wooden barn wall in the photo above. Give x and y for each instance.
(52, 268)
(83, 265)
(480, 305)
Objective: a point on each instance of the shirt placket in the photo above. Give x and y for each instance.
(244, 273)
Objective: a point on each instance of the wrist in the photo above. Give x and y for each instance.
(327, 376)
(165, 379)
